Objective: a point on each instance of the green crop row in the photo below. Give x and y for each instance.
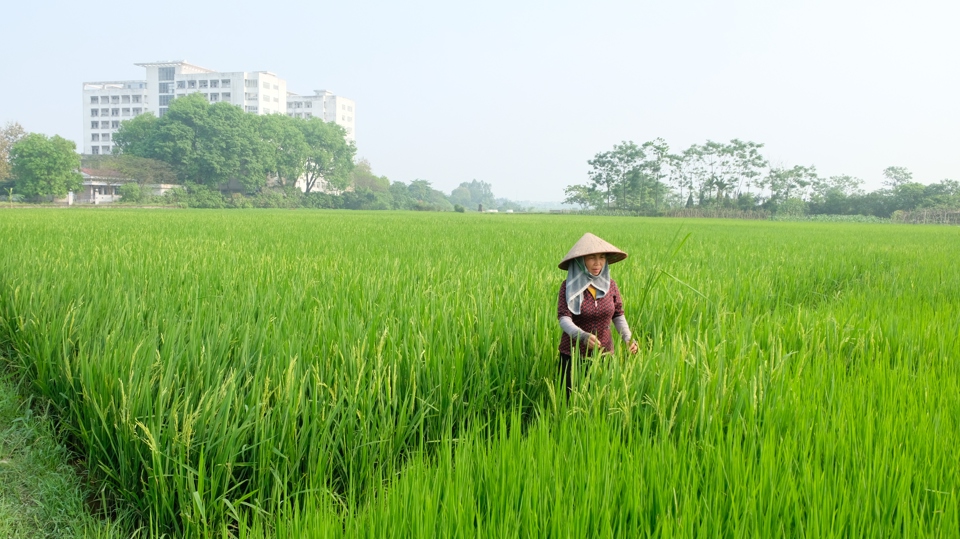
(298, 374)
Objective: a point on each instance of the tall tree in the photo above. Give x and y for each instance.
(9, 135)
(613, 172)
(362, 177)
(896, 176)
(329, 155)
(45, 167)
(284, 147)
(747, 166)
(832, 195)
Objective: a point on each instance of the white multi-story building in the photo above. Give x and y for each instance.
(106, 104)
(323, 105)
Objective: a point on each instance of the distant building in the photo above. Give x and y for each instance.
(325, 105)
(106, 104)
(103, 187)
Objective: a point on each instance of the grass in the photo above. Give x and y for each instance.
(328, 374)
(41, 494)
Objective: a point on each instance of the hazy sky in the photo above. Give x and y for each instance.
(521, 94)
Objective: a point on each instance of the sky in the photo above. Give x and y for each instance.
(522, 94)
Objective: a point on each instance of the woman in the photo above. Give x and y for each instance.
(589, 302)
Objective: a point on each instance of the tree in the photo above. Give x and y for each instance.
(787, 183)
(45, 167)
(137, 136)
(425, 197)
(833, 195)
(329, 155)
(401, 196)
(896, 176)
(9, 135)
(748, 164)
(284, 147)
(472, 194)
(205, 144)
(362, 177)
(611, 171)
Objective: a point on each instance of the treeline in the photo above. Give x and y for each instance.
(221, 147)
(736, 176)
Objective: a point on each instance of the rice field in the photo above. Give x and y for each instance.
(350, 374)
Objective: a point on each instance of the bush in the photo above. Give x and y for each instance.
(130, 192)
(458, 208)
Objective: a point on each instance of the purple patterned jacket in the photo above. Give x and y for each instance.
(596, 316)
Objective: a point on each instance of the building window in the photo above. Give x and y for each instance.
(214, 98)
(125, 112)
(94, 112)
(115, 124)
(215, 83)
(94, 100)
(266, 86)
(94, 125)
(166, 73)
(165, 100)
(106, 137)
(163, 110)
(95, 137)
(203, 84)
(166, 87)
(106, 149)
(225, 83)
(136, 99)
(250, 83)
(114, 112)
(308, 104)
(349, 109)
(251, 109)
(125, 99)
(95, 150)
(115, 99)
(225, 96)
(308, 115)
(137, 111)
(104, 112)
(191, 84)
(181, 84)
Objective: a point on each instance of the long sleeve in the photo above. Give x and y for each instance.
(571, 329)
(620, 322)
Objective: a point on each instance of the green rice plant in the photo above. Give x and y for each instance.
(321, 374)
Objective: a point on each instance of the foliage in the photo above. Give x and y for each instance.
(474, 195)
(648, 179)
(362, 177)
(329, 159)
(220, 146)
(130, 192)
(9, 135)
(45, 167)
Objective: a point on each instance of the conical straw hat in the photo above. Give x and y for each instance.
(588, 245)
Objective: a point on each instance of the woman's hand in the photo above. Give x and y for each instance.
(634, 347)
(593, 342)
